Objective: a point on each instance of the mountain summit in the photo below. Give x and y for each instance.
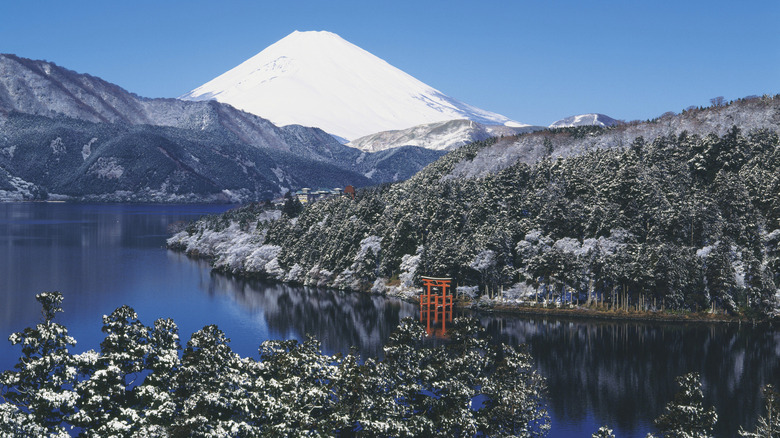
(319, 79)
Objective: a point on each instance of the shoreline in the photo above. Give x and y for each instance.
(609, 315)
(580, 313)
(583, 313)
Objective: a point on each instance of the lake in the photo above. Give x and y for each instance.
(598, 372)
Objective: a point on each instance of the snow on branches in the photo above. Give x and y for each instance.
(139, 385)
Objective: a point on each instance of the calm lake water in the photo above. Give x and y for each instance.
(103, 256)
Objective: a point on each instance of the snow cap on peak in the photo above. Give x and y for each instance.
(312, 33)
(310, 36)
(316, 78)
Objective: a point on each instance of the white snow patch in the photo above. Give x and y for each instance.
(705, 251)
(483, 260)
(57, 146)
(279, 173)
(86, 150)
(9, 151)
(107, 168)
(408, 267)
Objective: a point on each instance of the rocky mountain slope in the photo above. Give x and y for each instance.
(64, 158)
(110, 144)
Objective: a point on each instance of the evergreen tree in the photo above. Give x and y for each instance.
(296, 395)
(211, 388)
(514, 394)
(292, 207)
(603, 432)
(109, 403)
(686, 416)
(157, 393)
(38, 393)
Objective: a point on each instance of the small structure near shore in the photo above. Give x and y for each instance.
(436, 303)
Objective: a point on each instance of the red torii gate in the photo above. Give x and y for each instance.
(436, 302)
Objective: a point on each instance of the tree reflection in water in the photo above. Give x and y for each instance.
(340, 320)
(622, 373)
(616, 373)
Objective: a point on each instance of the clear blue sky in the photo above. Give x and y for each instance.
(533, 61)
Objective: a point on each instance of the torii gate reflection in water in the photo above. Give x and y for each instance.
(436, 303)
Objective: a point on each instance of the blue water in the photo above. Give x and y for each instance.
(104, 256)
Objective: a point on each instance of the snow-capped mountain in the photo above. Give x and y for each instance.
(593, 119)
(319, 79)
(440, 136)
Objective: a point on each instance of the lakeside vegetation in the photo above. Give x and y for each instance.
(683, 223)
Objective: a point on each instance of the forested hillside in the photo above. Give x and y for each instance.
(683, 222)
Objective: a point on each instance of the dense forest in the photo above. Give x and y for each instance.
(681, 223)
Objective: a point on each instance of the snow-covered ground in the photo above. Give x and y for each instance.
(233, 249)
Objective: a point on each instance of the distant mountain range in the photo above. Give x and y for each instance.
(319, 79)
(79, 137)
(452, 134)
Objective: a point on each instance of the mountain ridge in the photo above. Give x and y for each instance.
(442, 136)
(749, 114)
(48, 114)
(589, 119)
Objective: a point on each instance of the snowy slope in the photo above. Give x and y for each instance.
(440, 136)
(319, 79)
(748, 114)
(592, 119)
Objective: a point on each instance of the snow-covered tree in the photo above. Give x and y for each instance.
(157, 393)
(16, 423)
(211, 388)
(38, 392)
(109, 404)
(686, 416)
(603, 432)
(515, 404)
(296, 395)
